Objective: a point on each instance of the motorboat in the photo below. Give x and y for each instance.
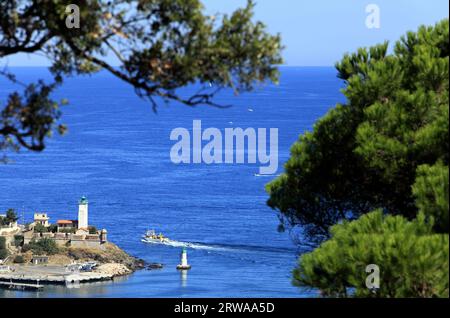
(151, 237)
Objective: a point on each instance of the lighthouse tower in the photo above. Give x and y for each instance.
(183, 262)
(83, 213)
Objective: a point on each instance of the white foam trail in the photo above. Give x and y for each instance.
(188, 245)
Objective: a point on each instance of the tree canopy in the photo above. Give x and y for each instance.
(10, 217)
(372, 176)
(386, 147)
(160, 46)
(413, 260)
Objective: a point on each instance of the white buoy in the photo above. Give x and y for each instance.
(184, 263)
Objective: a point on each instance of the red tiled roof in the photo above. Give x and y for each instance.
(64, 222)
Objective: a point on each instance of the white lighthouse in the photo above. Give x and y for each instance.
(83, 213)
(184, 263)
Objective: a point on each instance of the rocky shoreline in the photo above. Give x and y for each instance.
(111, 262)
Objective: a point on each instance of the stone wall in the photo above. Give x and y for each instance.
(64, 239)
(9, 230)
(85, 243)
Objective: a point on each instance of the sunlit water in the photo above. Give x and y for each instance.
(117, 154)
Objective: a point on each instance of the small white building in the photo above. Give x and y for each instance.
(41, 218)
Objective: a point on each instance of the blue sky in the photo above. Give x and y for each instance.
(319, 32)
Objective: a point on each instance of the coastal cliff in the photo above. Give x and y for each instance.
(111, 261)
(107, 253)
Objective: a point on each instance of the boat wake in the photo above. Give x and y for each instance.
(222, 247)
(196, 246)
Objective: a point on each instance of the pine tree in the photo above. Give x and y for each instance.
(413, 261)
(386, 150)
(367, 153)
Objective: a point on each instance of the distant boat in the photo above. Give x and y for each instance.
(151, 237)
(250, 109)
(155, 266)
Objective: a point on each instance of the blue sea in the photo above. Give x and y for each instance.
(117, 153)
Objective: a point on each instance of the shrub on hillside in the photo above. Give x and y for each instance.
(18, 240)
(92, 229)
(44, 246)
(19, 259)
(26, 248)
(2, 243)
(3, 251)
(39, 228)
(53, 228)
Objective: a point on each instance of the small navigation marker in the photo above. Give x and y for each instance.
(184, 263)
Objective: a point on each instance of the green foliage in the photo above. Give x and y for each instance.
(26, 248)
(18, 240)
(39, 228)
(92, 229)
(19, 259)
(3, 253)
(53, 228)
(161, 46)
(44, 246)
(2, 243)
(10, 217)
(431, 192)
(413, 261)
(367, 153)
(386, 149)
(3, 250)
